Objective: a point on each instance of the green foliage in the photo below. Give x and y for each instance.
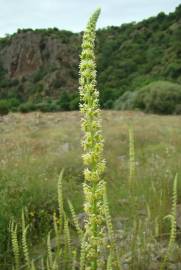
(137, 245)
(47, 106)
(27, 107)
(39, 75)
(5, 83)
(111, 235)
(15, 245)
(178, 109)
(173, 70)
(4, 107)
(5, 41)
(30, 165)
(158, 97)
(2, 71)
(173, 231)
(64, 101)
(74, 102)
(24, 242)
(125, 101)
(108, 97)
(132, 161)
(75, 220)
(129, 57)
(7, 105)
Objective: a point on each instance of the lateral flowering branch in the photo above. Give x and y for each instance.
(92, 143)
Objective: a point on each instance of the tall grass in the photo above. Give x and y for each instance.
(173, 231)
(132, 161)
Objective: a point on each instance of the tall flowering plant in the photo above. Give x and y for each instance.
(92, 143)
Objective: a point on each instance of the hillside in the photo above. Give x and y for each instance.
(41, 66)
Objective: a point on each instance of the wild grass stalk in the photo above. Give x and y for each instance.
(173, 231)
(32, 266)
(56, 230)
(83, 252)
(113, 247)
(25, 247)
(51, 257)
(67, 239)
(109, 262)
(132, 168)
(60, 202)
(15, 244)
(75, 220)
(49, 252)
(74, 261)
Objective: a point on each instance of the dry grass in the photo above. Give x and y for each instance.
(35, 147)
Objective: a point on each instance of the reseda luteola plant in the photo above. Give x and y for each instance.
(93, 148)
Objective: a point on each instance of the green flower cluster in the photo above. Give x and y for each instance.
(92, 143)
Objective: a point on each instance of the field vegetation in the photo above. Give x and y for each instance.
(35, 147)
(122, 212)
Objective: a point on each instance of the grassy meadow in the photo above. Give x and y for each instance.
(34, 148)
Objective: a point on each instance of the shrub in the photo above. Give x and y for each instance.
(57, 83)
(39, 75)
(13, 103)
(64, 101)
(7, 105)
(5, 82)
(27, 107)
(160, 97)
(4, 107)
(108, 104)
(178, 109)
(74, 103)
(124, 102)
(2, 71)
(47, 107)
(173, 70)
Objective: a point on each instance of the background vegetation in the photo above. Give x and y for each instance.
(35, 147)
(131, 59)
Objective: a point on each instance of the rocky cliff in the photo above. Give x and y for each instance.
(40, 64)
(48, 59)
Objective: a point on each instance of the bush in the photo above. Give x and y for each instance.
(178, 109)
(173, 70)
(47, 107)
(39, 75)
(160, 97)
(13, 103)
(4, 107)
(7, 105)
(74, 102)
(124, 102)
(64, 101)
(2, 71)
(27, 107)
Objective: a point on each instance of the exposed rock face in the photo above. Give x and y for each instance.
(42, 64)
(30, 51)
(23, 56)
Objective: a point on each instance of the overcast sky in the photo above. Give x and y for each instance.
(72, 14)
